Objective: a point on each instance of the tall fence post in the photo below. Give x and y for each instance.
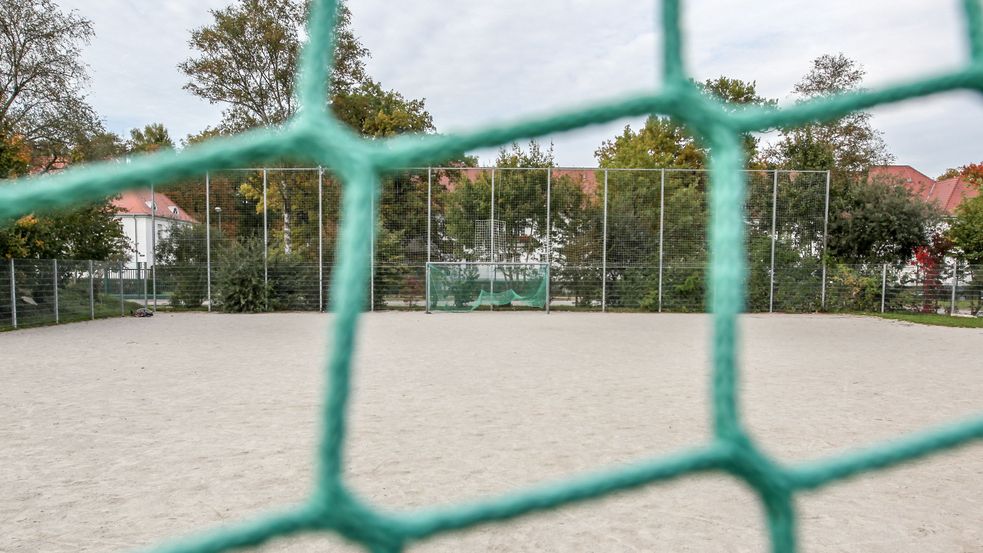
(955, 283)
(822, 293)
(320, 238)
(491, 240)
(122, 301)
(54, 266)
(372, 253)
(208, 239)
(92, 291)
(152, 254)
(426, 274)
(13, 294)
(266, 234)
(774, 238)
(604, 247)
(662, 228)
(883, 286)
(146, 304)
(549, 239)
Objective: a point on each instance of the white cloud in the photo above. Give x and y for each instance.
(479, 62)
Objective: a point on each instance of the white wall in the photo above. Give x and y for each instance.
(139, 233)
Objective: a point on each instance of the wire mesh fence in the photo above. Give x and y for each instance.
(613, 239)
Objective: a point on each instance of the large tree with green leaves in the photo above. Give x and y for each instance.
(246, 60)
(43, 79)
(966, 231)
(151, 138)
(664, 143)
(847, 145)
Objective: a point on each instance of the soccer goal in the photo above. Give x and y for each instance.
(461, 286)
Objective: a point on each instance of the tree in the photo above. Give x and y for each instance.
(247, 60)
(89, 232)
(152, 138)
(15, 156)
(967, 230)
(966, 234)
(849, 144)
(98, 146)
(42, 78)
(879, 222)
(950, 173)
(663, 143)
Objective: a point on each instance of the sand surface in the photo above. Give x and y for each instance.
(117, 434)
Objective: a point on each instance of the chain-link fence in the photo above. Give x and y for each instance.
(615, 239)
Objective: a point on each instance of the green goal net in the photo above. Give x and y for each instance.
(467, 286)
(315, 134)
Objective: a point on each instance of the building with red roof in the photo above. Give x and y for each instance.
(946, 194)
(139, 213)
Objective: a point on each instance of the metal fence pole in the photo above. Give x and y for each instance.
(426, 274)
(266, 235)
(491, 234)
(604, 247)
(955, 282)
(883, 286)
(549, 238)
(208, 239)
(92, 291)
(152, 255)
(822, 296)
(662, 226)
(13, 294)
(774, 236)
(372, 254)
(145, 302)
(429, 213)
(320, 238)
(54, 264)
(122, 301)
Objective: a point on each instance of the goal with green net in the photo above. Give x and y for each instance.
(468, 285)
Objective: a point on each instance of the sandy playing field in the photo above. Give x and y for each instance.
(118, 434)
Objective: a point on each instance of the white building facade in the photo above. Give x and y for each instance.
(148, 219)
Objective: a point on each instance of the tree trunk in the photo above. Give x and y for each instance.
(287, 240)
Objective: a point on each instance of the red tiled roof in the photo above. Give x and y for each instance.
(586, 177)
(947, 194)
(135, 202)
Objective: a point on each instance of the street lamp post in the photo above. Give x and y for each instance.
(218, 211)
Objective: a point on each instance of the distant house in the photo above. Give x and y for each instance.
(947, 194)
(137, 217)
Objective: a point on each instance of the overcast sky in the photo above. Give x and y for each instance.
(478, 62)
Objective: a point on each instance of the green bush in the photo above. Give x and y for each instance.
(240, 280)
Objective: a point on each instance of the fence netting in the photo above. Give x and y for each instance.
(313, 134)
(614, 239)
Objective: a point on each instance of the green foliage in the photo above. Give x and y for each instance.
(849, 145)
(293, 283)
(664, 143)
(42, 96)
(181, 260)
(15, 156)
(289, 283)
(98, 146)
(247, 58)
(239, 278)
(966, 232)
(151, 138)
(878, 222)
(933, 319)
(89, 232)
(851, 288)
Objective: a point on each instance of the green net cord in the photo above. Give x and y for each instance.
(313, 134)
